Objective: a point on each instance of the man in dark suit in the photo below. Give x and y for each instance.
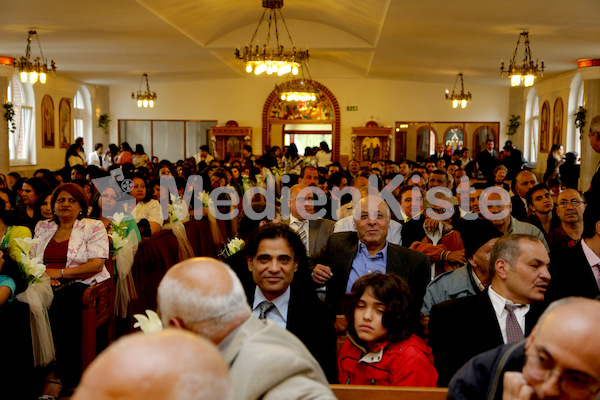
(350, 255)
(273, 254)
(503, 313)
(488, 159)
(524, 181)
(575, 270)
(314, 232)
(440, 154)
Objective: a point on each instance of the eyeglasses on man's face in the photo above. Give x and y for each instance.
(572, 202)
(578, 385)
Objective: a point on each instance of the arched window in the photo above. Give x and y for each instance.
(532, 128)
(82, 118)
(21, 141)
(573, 142)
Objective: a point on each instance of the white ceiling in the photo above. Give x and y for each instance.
(114, 41)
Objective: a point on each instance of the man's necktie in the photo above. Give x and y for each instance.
(596, 271)
(264, 308)
(301, 232)
(514, 333)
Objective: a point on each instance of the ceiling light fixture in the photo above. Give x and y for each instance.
(458, 98)
(262, 58)
(37, 69)
(144, 99)
(527, 72)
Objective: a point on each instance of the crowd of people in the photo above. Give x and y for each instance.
(452, 245)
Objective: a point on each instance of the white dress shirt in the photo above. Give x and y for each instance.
(279, 314)
(498, 302)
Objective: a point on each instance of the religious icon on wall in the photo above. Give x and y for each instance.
(47, 121)
(64, 122)
(454, 140)
(233, 147)
(545, 127)
(371, 149)
(557, 121)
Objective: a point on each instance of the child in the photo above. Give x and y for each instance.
(382, 347)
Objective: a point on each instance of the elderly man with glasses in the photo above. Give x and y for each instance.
(559, 360)
(569, 208)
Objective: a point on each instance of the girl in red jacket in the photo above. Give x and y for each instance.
(382, 346)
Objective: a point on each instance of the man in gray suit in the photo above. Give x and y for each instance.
(314, 233)
(204, 296)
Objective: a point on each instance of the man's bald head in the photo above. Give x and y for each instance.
(202, 295)
(167, 365)
(567, 335)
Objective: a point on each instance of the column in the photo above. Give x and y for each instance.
(589, 158)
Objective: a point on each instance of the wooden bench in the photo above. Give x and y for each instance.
(354, 392)
(98, 317)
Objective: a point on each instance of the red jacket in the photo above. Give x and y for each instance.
(408, 363)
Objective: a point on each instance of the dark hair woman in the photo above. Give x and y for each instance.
(74, 249)
(384, 320)
(34, 193)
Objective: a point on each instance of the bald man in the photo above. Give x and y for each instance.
(167, 365)
(559, 360)
(314, 232)
(204, 296)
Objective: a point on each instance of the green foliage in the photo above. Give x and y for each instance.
(513, 124)
(580, 119)
(9, 115)
(103, 122)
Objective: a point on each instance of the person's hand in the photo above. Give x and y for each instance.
(431, 224)
(321, 274)
(516, 387)
(54, 273)
(457, 257)
(54, 282)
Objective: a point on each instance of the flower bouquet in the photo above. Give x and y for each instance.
(232, 247)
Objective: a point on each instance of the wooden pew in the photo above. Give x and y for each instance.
(159, 253)
(354, 392)
(98, 317)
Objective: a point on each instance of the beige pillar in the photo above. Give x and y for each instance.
(589, 158)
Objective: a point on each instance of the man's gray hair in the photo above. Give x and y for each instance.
(595, 124)
(204, 314)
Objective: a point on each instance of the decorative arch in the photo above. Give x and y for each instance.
(425, 145)
(328, 100)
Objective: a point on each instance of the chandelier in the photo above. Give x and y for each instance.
(37, 69)
(458, 98)
(298, 90)
(526, 72)
(144, 99)
(263, 58)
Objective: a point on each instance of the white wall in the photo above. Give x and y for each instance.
(243, 100)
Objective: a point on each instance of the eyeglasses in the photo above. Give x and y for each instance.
(573, 202)
(576, 384)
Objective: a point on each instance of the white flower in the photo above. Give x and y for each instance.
(148, 324)
(235, 245)
(205, 197)
(118, 217)
(32, 266)
(118, 241)
(25, 244)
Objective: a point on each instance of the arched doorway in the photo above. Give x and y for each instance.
(281, 118)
